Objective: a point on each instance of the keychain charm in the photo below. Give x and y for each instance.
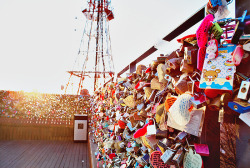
(212, 49)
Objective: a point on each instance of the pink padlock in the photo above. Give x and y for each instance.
(201, 149)
(237, 55)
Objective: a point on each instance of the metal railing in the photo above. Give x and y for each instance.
(195, 18)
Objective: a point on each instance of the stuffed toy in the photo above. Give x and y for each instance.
(212, 49)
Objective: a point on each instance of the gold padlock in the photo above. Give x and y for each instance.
(185, 67)
(190, 54)
(174, 63)
(171, 56)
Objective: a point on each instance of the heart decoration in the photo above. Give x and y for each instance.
(192, 160)
(155, 160)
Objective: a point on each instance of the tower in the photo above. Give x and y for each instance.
(94, 59)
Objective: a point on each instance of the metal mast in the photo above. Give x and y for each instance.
(95, 56)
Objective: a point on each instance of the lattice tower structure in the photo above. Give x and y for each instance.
(94, 59)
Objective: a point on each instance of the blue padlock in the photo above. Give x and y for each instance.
(240, 107)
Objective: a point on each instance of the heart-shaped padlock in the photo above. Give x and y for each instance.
(155, 160)
(192, 160)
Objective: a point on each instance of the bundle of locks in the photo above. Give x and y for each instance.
(154, 117)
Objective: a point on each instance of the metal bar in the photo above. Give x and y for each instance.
(145, 55)
(110, 80)
(198, 16)
(122, 71)
(97, 43)
(132, 67)
(97, 72)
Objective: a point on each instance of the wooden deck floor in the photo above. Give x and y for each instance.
(43, 154)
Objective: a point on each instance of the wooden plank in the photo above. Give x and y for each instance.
(54, 155)
(48, 146)
(49, 155)
(61, 154)
(70, 157)
(16, 152)
(43, 154)
(65, 156)
(85, 155)
(25, 156)
(78, 157)
(37, 155)
(11, 153)
(29, 161)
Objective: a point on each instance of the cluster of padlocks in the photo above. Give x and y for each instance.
(154, 117)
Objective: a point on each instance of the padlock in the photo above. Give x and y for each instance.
(181, 136)
(153, 65)
(161, 59)
(165, 143)
(174, 63)
(161, 70)
(190, 85)
(167, 156)
(144, 114)
(190, 54)
(178, 157)
(173, 72)
(149, 77)
(152, 141)
(185, 67)
(201, 149)
(179, 53)
(199, 100)
(210, 9)
(145, 158)
(171, 56)
(215, 104)
(155, 84)
(128, 85)
(181, 86)
(239, 106)
(151, 129)
(216, 31)
(140, 68)
(152, 96)
(136, 80)
(239, 29)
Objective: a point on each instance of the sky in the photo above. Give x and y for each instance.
(39, 39)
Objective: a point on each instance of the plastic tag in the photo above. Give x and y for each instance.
(244, 88)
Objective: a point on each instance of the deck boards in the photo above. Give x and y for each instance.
(43, 154)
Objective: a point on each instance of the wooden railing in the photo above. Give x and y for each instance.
(35, 129)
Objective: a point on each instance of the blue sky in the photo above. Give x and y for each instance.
(38, 41)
